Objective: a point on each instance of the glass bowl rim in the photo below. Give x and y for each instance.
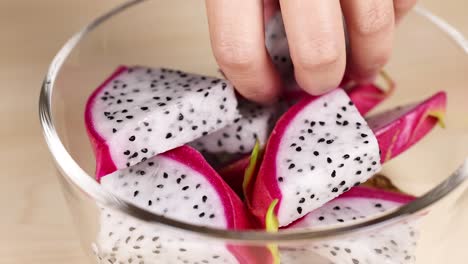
(76, 176)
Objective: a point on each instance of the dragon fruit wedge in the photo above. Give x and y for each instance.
(322, 147)
(181, 185)
(139, 112)
(124, 239)
(364, 97)
(399, 129)
(393, 244)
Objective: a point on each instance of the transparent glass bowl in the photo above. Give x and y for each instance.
(429, 55)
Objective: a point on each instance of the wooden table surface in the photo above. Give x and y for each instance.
(35, 225)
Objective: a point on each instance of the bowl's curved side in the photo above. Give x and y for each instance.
(76, 176)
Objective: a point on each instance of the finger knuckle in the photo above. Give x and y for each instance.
(317, 54)
(376, 18)
(235, 56)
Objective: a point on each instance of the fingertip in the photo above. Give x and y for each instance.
(322, 80)
(265, 92)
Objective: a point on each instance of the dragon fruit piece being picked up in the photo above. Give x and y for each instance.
(392, 244)
(255, 123)
(181, 185)
(322, 147)
(367, 95)
(139, 112)
(278, 48)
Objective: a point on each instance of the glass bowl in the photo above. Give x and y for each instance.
(429, 55)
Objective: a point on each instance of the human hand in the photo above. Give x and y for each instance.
(316, 39)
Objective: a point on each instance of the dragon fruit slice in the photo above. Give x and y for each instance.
(124, 115)
(399, 129)
(255, 123)
(391, 244)
(181, 185)
(357, 204)
(364, 97)
(322, 147)
(310, 157)
(123, 239)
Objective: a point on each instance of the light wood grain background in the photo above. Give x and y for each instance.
(35, 225)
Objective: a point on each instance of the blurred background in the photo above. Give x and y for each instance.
(35, 225)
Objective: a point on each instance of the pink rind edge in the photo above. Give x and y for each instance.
(104, 163)
(418, 129)
(368, 192)
(266, 169)
(235, 213)
(193, 159)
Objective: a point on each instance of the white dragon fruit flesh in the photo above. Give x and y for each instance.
(124, 239)
(392, 244)
(255, 123)
(139, 112)
(278, 48)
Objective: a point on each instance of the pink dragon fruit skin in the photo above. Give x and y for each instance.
(233, 174)
(367, 96)
(416, 120)
(104, 163)
(238, 216)
(367, 192)
(401, 128)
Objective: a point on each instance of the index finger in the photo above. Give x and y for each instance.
(238, 43)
